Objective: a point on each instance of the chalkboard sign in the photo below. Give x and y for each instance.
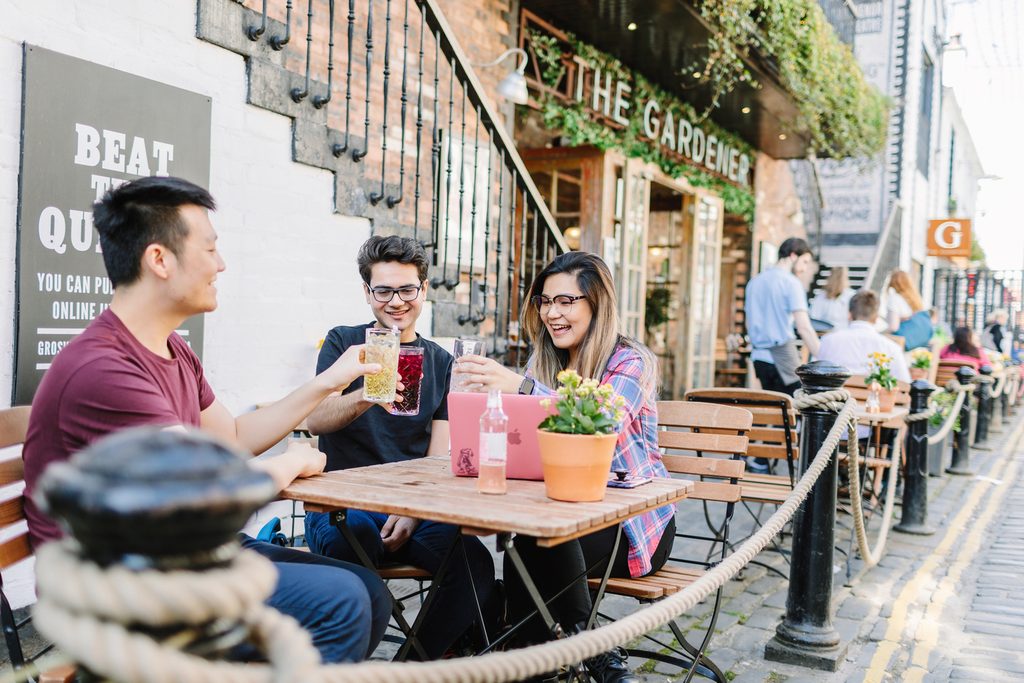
(87, 128)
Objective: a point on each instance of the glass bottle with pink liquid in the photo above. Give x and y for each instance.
(493, 446)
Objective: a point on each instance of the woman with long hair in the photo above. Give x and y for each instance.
(965, 347)
(572, 321)
(832, 303)
(905, 313)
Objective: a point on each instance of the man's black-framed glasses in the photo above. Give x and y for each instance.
(385, 295)
(562, 302)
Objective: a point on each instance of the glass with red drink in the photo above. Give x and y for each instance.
(410, 370)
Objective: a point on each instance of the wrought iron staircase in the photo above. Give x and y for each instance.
(382, 94)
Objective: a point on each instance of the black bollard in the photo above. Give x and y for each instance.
(961, 463)
(151, 499)
(914, 519)
(806, 636)
(1004, 398)
(984, 416)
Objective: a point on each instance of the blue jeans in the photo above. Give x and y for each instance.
(453, 610)
(344, 607)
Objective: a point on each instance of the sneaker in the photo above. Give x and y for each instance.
(757, 466)
(611, 667)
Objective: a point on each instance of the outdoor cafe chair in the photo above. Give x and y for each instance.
(709, 432)
(773, 436)
(15, 548)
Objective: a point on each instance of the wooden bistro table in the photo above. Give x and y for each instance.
(425, 488)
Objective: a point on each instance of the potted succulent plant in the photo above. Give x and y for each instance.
(577, 442)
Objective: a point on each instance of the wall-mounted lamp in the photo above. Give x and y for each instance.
(513, 86)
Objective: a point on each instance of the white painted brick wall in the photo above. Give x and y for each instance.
(291, 271)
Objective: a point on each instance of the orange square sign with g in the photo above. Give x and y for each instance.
(949, 237)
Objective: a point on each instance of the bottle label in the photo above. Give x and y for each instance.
(493, 448)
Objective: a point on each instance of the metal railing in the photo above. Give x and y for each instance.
(411, 118)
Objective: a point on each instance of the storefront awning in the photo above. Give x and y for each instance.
(669, 38)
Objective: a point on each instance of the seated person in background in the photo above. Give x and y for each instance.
(831, 303)
(966, 348)
(853, 346)
(130, 368)
(355, 433)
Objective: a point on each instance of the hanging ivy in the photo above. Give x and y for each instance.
(579, 127)
(841, 112)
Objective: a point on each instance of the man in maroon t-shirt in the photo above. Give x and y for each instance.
(131, 368)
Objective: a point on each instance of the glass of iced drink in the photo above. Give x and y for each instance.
(381, 347)
(410, 370)
(464, 347)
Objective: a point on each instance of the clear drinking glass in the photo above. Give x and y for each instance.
(410, 369)
(381, 347)
(464, 346)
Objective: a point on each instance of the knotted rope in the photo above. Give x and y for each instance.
(954, 412)
(93, 629)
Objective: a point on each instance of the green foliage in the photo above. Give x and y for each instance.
(656, 308)
(583, 407)
(943, 402)
(977, 253)
(879, 370)
(579, 127)
(843, 114)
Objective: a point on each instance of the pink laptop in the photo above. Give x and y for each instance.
(524, 414)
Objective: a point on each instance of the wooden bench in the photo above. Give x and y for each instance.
(16, 548)
(709, 432)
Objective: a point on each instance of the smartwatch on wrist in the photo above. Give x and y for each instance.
(526, 387)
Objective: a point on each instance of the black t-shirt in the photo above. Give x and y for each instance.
(377, 436)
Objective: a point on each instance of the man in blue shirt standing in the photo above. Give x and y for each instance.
(776, 301)
(356, 433)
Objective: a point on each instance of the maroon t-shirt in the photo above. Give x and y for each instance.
(103, 381)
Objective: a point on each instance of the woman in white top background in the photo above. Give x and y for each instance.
(905, 314)
(832, 303)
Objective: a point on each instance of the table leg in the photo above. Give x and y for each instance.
(604, 579)
(411, 640)
(340, 520)
(531, 588)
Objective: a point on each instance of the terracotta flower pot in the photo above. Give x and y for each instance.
(576, 466)
(918, 373)
(886, 400)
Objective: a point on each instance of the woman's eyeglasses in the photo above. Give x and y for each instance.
(562, 302)
(386, 294)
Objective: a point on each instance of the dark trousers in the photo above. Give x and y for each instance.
(453, 610)
(552, 569)
(344, 607)
(771, 380)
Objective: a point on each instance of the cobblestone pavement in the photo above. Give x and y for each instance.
(944, 607)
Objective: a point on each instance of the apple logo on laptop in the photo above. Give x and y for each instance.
(514, 438)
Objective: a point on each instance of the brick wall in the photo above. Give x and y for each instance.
(290, 260)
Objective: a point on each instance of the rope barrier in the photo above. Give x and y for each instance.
(101, 642)
(839, 400)
(951, 417)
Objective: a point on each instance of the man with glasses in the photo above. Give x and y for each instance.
(355, 433)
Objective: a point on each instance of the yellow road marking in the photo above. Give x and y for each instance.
(901, 607)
